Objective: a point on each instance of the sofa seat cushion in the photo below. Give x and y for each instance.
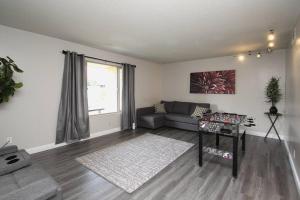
(181, 108)
(153, 120)
(31, 183)
(8, 184)
(155, 116)
(181, 118)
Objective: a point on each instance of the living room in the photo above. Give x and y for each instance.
(143, 66)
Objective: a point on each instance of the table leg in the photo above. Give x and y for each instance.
(273, 126)
(244, 141)
(270, 127)
(235, 156)
(277, 133)
(200, 148)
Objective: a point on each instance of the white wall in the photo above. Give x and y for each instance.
(251, 78)
(30, 117)
(293, 102)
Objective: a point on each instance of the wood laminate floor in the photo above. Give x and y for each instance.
(264, 171)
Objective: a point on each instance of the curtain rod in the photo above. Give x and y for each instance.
(64, 52)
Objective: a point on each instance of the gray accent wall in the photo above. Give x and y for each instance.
(293, 98)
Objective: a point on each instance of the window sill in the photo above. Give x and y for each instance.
(112, 113)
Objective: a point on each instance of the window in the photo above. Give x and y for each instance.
(104, 88)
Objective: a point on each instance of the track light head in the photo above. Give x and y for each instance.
(258, 55)
(271, 35)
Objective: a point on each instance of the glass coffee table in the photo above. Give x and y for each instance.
(223, 125)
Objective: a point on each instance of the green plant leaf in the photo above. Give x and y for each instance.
(15, 67)
(18, 85)
(7, 85)
(272, 92)
(6, 98)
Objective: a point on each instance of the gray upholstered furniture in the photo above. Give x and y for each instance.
(178, 116)
(22, 180)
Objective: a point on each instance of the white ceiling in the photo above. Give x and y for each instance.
(158, 30)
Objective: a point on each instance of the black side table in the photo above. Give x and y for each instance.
(273, 123)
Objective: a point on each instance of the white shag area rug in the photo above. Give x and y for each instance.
(132, 163)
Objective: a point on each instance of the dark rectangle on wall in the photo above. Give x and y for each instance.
(213, 82)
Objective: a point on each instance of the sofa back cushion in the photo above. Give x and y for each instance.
(181, 107)
(168, 106)
(193, 106)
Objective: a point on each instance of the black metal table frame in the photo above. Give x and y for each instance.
(273, 122)
(235, 140)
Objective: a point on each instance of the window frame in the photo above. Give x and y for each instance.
(119, 70)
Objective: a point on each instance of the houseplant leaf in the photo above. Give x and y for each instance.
(7, 84)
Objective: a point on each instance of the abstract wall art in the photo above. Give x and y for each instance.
(213, 82)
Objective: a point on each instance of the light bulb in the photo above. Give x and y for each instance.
(271, 37)
(258, 55)
(271, 44)
(241, 58)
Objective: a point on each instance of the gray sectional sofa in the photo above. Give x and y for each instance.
(178, 115)
(22, 180)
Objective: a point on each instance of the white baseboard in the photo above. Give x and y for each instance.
(101, 133)
(295, 174)
(53, 145)
(263, 134)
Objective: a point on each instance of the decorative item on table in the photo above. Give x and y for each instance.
(7, 84)
(273, 94)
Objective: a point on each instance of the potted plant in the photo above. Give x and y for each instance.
(7, 85)
(273, 94)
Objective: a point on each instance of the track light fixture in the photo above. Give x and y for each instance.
(259, 53)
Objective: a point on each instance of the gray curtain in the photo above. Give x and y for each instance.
(128, 100)
(73, 118)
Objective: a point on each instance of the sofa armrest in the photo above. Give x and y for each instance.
(144, 111)
(8, 149)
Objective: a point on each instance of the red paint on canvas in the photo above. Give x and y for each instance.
(214, 82)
